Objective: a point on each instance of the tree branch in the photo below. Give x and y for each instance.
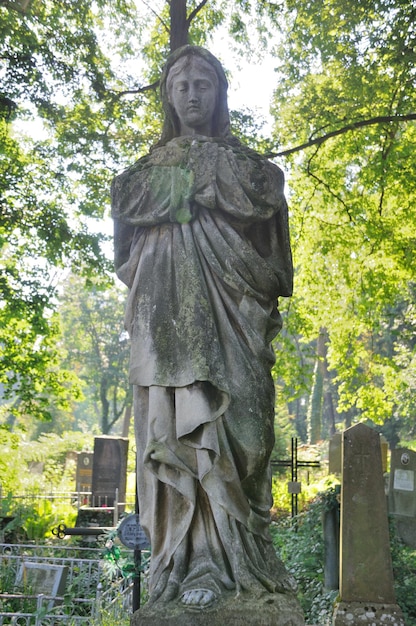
(119, 94)
(195, 12)
(381, 119)
(165, 26)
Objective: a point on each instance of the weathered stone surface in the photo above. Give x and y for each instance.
(366, 573)
(374, 614)
(402, 493)
(334, 454)
(265, 610)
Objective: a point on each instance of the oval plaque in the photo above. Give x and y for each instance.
(131, 534)
(405, 458)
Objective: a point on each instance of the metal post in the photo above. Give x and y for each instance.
(294, 467)
(38, 618)
(137, 560)
(97, 608)
(115, 512)
(137, 580)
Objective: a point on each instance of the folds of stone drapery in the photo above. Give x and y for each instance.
(204, 404)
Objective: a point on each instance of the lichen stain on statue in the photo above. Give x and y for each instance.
(201, 239)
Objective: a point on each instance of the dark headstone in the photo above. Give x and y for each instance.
(109, 470)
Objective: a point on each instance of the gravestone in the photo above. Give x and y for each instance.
(334, 454)
(84, 471)
(366, 574)
(109, 470)
(42, 578)
(402, 493)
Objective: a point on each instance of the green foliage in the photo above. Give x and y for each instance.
(33, 518)
(33, 515)
(51, 450)
(352, 198)
(79, 102)
(404, 570)
(97, 349)
(300, 544)
(60, 118)
(121, 561)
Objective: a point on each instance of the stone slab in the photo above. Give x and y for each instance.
(42, 578)
(374, 614)
(366, 573)
(334, 454)
(269, 609)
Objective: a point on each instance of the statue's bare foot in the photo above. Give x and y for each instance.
(198, 598)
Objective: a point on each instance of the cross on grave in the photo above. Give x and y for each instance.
(294, 464)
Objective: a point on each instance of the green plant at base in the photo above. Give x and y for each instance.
(299, 542)
(404, 571)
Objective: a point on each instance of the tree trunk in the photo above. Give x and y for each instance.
(178, 24)
(315, 405)
(105, 406)
(126, 421)
(317, 394)
(329, 402)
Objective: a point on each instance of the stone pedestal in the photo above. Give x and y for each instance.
(373, 614)
(269, 609)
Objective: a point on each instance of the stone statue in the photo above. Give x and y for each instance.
(201, 240)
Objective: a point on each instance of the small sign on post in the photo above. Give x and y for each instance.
(293, 486)
(131, 534)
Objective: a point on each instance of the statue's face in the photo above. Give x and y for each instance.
(193, 95)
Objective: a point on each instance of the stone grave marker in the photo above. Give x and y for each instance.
(334, 454)
(402, 493)
(42, 578)
(366, 574)
(109, 470)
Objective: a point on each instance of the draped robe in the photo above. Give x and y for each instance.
(201, 240)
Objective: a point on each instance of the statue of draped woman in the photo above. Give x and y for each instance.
(201, 240)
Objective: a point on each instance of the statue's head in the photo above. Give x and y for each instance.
(194, 95)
